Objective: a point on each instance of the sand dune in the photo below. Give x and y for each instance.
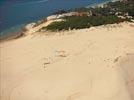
(87, 64)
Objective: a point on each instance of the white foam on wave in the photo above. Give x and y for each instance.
(42, 1)
(34, 2)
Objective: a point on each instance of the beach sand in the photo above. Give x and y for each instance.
(86, 64)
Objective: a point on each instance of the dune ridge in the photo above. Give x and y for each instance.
(86, 64)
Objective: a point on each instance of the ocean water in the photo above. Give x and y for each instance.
(16, 13)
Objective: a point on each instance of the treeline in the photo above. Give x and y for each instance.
(121, 7)
(124, 6)
(108, 14)
(80, 22)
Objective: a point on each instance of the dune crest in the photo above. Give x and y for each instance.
(86, 64)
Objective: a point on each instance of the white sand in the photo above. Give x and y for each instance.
(87, 64)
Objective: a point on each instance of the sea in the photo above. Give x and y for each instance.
(14, 14)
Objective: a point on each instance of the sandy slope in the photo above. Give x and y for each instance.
(88, 64)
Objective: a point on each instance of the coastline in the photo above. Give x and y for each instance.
(15, 35)
(95, 63)
(101, 4)
(18, 32)
(21, 33)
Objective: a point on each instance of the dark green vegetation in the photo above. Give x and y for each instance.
(125, 6)
(108, 14)
(79, 22)
(60, 12)
(121, 7)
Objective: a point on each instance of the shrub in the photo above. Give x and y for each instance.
(81, 22)
(99, 16)
(60, 12)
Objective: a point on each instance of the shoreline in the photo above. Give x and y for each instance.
(13, 36)
(46, 33)
(101, 4)
(16, 35)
